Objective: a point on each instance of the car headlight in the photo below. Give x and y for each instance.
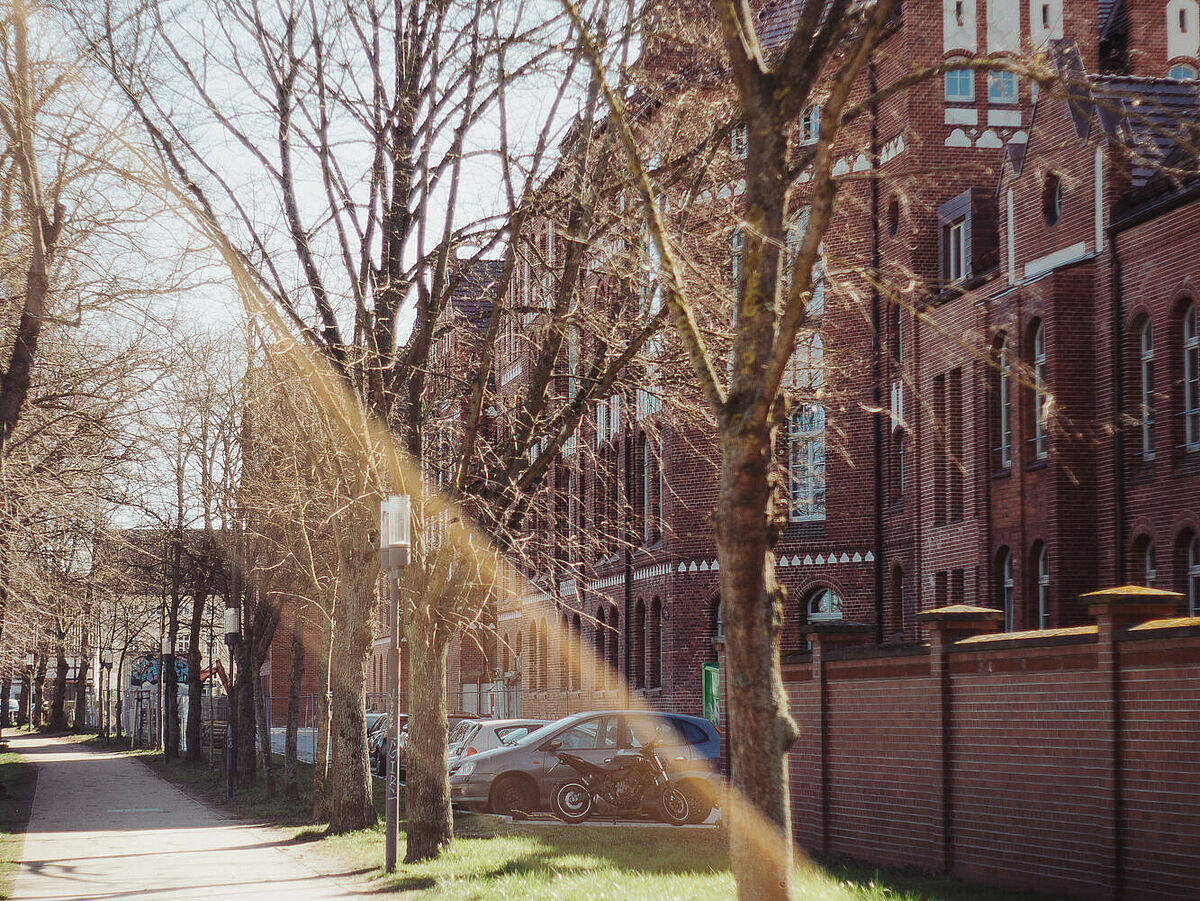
(466, 768)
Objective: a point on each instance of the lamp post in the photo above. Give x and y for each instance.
(106, 662)
(233, 634)
(395, 542)
(30, 663)
(165, 661)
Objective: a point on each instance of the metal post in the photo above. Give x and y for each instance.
(394, 544)
(233, 630)
(393, 748)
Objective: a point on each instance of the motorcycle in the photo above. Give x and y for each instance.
(624, 784)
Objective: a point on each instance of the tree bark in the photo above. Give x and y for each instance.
(5, 689)
(320, 800)
(58, 710)
(760, 729)
(430, 823)
(39, 691)
(291, 771)
(195, 686)
(350, 798)
(81, 677)
(264, 738)
(23, 713)
(242, 706)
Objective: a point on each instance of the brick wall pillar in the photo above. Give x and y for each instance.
(1115, 610)
(826, 637)
(947, 625)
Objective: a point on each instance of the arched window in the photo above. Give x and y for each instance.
(638, 651)
(543, 636)
(614, 648)
(564, 652)
(1191, 380)
(504, 659)
(1003, 404)
(1041, 402)
(533, 656)
(1183, 71)
(576, 653)
(1043, 587)
(718, 621)
(1146, 412)
(654, 646)
(1149, 565)
(600, 641)
(824, 604)
(1005, 588)
(517, 653)
(898, 599)
(1193, 576)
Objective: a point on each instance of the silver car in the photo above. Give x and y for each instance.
(471, 737)
(523, 777)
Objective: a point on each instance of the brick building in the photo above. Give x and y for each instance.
(984, 438)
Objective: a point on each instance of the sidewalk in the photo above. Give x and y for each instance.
(105, 826)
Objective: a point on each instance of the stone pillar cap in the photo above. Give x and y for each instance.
(961, 613)
(1131, 594)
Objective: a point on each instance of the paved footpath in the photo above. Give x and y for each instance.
(104, 826)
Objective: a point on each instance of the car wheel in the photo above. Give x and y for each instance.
(512, 796)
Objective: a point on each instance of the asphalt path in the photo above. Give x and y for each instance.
(105, 826)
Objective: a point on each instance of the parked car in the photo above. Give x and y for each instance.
(472, 737)
(523, 777)
(377, 739)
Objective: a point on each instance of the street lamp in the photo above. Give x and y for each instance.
(106, 662)
(395, 542)
(233, 634)
(164, 661)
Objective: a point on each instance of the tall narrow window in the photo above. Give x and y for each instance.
(654, 646)
(1147, 407)
(956, 251)
(637, 652)
(576, 653)
(1004, 406)
(810, 124)
(600, 641)
(614, 648)
(1006, 589)
(1191, 380)
(806, 462)
(960, 85)
(1041, 399)
(543, 640)
(1193, 576)
(1043, 588)
(1150, 565)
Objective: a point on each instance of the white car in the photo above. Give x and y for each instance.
(471, 737)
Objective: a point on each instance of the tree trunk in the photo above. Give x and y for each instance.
(264, 738)
(5, 690)
(320, 801)
(81, 677)
(120, 707)
(430, 823)
(23, 715)
(242, 707)
(760, 729)
(58, 710)
(39, 691)
(195, 686)
(170, 687)
(291, 771)
(350, 798)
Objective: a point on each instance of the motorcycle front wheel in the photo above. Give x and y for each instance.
(674, 806)
(572, 803)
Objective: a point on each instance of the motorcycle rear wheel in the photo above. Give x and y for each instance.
(572, 803)
(674, 806)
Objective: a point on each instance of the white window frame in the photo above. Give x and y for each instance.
(810, 124)
(1193, 572)
(806, 463)
(956, 80)
(1147, 390)
(824, 605)
(1041, 402)
(1003, 88)
(1004, 407)
(1191, 380)
(1008, 593)
(956, 251)
(1043, 588)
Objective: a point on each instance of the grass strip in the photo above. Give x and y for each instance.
(18, 780)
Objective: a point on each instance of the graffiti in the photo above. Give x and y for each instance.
(145, 670)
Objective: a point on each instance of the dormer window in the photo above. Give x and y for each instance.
(968, 246)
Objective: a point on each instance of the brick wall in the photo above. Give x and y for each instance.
(1064, 761)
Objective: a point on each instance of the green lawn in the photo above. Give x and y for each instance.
(494, 859)
(17, 782)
